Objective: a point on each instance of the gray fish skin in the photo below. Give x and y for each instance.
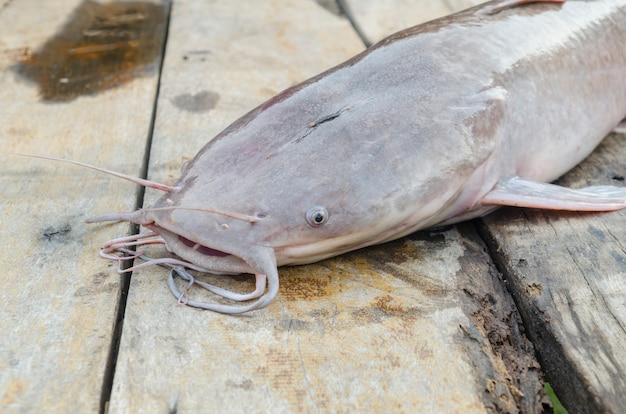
(413, 132)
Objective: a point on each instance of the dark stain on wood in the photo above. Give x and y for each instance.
(200, 102)
(56, 234)
(102, 46)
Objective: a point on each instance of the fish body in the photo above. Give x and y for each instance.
(435, 124)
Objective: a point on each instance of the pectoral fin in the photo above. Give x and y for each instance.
(520, 192)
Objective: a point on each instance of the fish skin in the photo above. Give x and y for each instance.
(413, 132)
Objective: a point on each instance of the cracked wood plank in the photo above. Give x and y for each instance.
(567, 272)
(59, 299)
(420, 323)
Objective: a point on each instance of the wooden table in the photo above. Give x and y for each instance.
(468, 319)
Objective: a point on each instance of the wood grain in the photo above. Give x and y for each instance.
(567, 272)
(425, 323)
(59, 299)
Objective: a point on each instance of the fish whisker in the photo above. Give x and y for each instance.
(133, 215)
(136, 180)
(178, 267)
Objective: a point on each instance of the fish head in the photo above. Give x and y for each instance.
(227, 223)
(310, 192)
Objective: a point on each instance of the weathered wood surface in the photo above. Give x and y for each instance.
(59, 302)
(419, 324)
(567, 272)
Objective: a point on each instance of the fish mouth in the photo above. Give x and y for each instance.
(230, 258)
(260, 261)
(208, 251)
(212, 259)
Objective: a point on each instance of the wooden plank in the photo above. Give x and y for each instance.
(567, 272)
(578, 320)
(422, 323)
(378, 19)
(59, 299)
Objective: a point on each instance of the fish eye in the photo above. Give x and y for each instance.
(316, 216)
